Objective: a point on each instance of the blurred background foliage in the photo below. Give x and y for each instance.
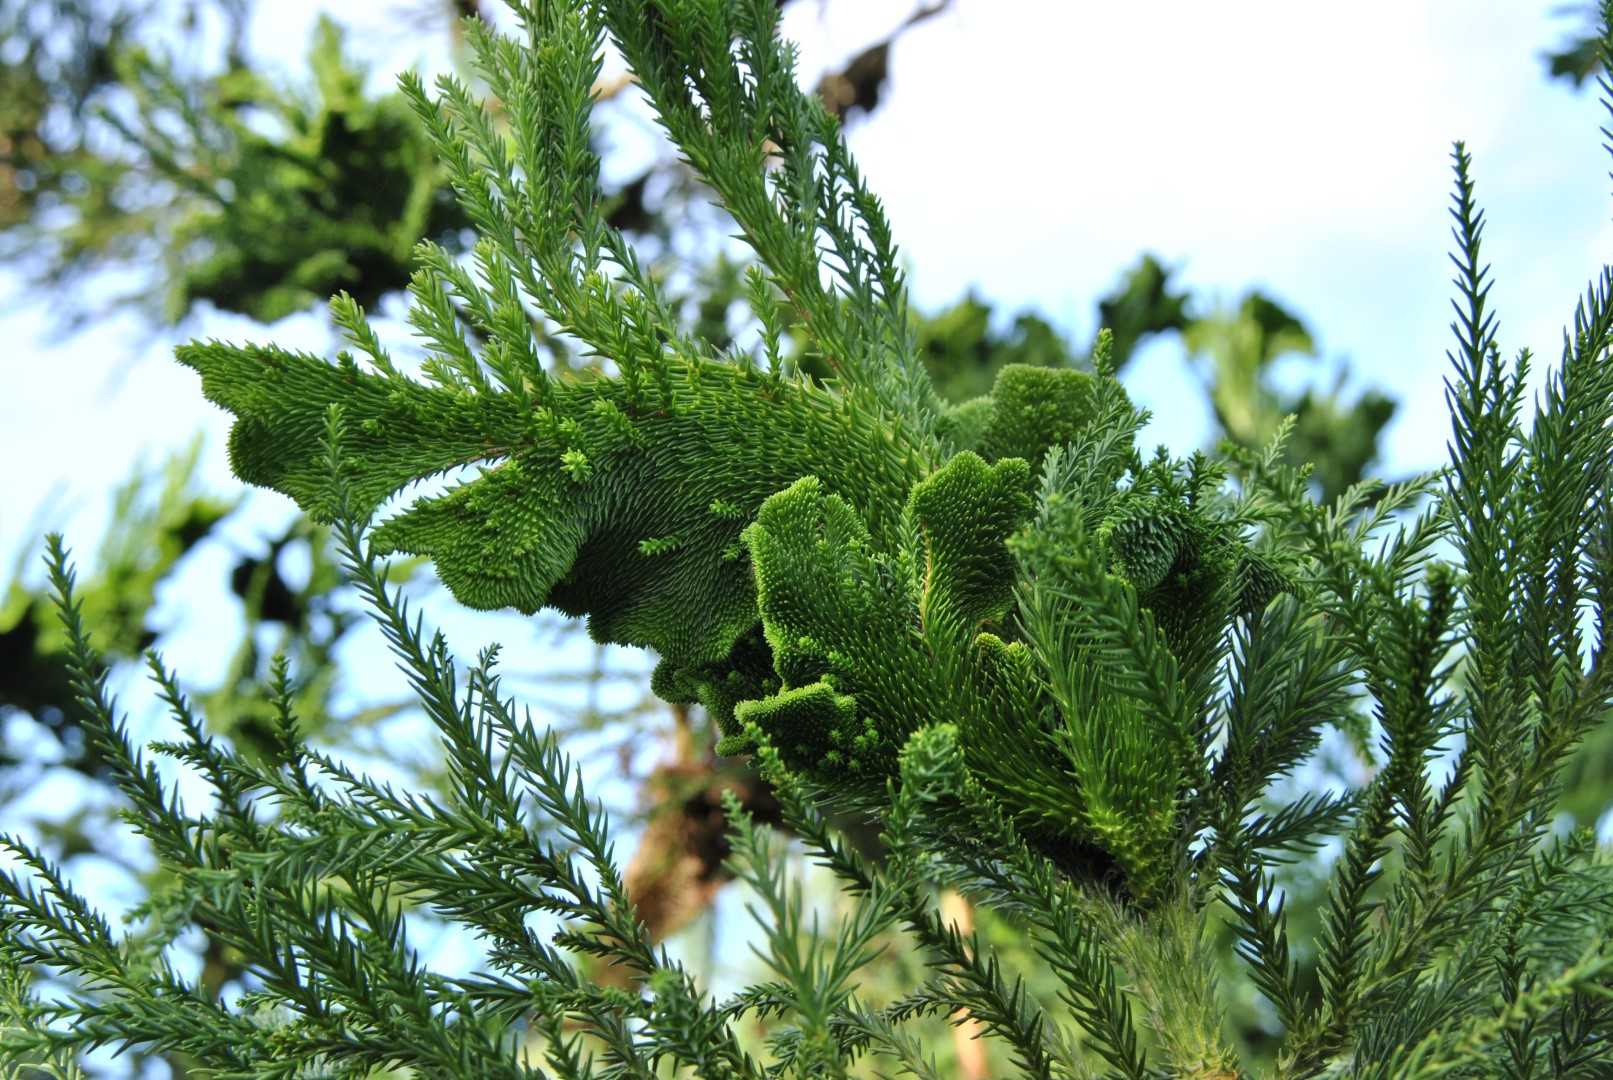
(139, 147)
(1575, 60)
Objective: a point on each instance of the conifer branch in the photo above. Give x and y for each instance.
(1064, 677)
(969, 976)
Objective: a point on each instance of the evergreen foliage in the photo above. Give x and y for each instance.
(1061, 675)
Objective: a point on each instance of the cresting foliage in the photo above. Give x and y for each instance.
(1063, 674)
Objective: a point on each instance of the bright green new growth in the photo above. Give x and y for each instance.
(794, 567)
(870, 643)
(814, 563)
(626, 499)
(631, 539)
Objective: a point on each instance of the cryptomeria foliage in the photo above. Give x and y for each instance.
(1060, 673)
